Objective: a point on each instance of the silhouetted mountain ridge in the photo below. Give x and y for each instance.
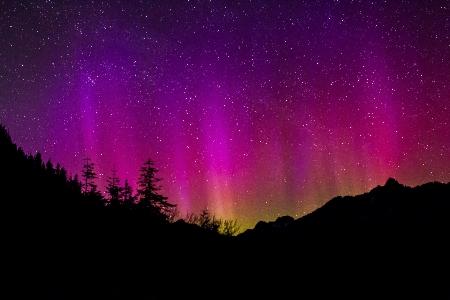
(392, 207)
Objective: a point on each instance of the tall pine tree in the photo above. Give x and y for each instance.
(148, 189)
(126, 195)
(89, 176)
(113, 188)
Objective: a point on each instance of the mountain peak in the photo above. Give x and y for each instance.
(391, 182)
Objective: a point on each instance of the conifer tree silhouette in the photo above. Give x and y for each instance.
(89, 176)
(147, 192)
(39, 165)
(113, 188)
(75, 184)
(49, 167)
(126, 194)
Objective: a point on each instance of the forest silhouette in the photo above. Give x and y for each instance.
(62, 239)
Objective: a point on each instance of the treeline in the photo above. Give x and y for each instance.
(147, 197)
(30, 184)
(207, 221)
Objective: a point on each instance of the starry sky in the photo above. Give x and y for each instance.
(251, 109)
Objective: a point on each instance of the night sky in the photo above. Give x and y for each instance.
(252, 109)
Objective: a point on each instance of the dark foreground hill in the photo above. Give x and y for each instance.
(392, 242)
(389, 243)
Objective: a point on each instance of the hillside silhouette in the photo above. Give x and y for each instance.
(61, 241)
(385, 210)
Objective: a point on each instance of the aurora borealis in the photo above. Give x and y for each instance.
(252, 109)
